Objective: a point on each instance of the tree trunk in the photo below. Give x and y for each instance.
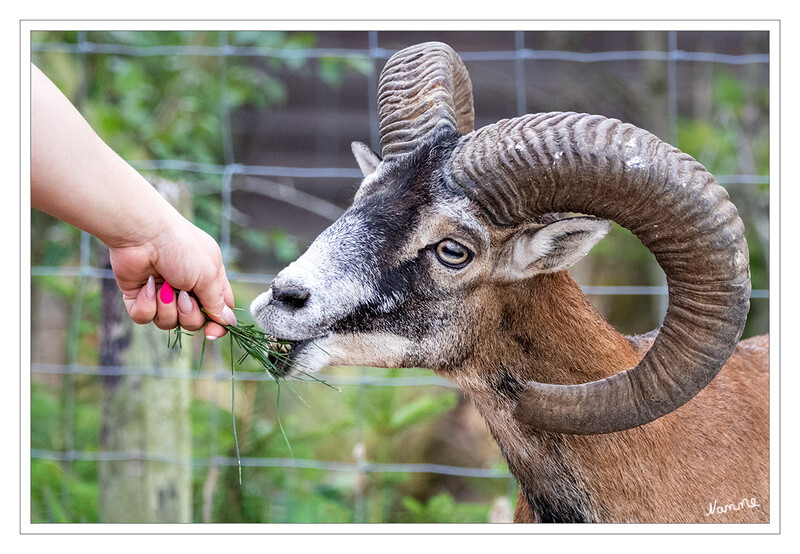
(145, 436)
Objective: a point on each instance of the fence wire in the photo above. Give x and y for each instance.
(327, 210)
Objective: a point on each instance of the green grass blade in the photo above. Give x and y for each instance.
(233, 415)
(278, 418)
(202, 357)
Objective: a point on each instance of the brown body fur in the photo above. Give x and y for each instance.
(713, 449)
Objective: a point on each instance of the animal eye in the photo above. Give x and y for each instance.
(453, 254)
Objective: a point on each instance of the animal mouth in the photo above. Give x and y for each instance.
(281, 346)
(283, 354)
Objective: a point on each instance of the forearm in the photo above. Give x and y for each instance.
(76, 177)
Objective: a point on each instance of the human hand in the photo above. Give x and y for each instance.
(79, 179)
(180, 257)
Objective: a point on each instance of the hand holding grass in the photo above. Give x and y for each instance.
(77, 178)
(180, 260)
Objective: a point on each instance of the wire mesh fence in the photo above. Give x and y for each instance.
(280, 172)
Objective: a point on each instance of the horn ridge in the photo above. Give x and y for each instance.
(422, 88)
(524, 167)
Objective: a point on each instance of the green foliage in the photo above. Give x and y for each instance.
(46, 412)
(62, 492)
(57, 243)
(319, 423)
(333, 70)
(734, 137)
(443, 509)
(59, 495)
(285, 247)
(294, 495)
(421, 409)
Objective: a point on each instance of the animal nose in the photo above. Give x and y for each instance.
(291, 296)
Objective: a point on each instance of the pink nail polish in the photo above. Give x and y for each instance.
(167, 294)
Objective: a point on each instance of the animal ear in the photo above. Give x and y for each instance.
(366, 159)
(553, 247)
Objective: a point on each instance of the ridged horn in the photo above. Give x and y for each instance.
(566, 162)
(422, 88)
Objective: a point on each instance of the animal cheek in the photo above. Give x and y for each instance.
(378, 349)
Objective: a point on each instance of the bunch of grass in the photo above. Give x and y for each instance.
(266, 351)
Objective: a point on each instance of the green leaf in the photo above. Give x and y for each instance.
(442, 508)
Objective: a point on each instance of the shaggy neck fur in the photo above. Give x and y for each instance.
(551, 334)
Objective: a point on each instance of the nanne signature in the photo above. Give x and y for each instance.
(713, 508)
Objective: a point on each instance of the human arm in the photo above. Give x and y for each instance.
(79, 179)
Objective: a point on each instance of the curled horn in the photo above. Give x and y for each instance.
(422, 88)
(565, 162)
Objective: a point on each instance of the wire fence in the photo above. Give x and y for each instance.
(375, 53)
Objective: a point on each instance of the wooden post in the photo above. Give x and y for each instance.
(145, 436)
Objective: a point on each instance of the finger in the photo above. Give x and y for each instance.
(189, 315)
(220, 313)
(167, 312)
(142, 308)
(214, 330)
(217, 305)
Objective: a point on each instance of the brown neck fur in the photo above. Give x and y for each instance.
(545, 330)
(561, 330)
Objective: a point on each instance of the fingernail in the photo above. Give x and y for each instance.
(167, 294)
(184, 302)
(150, 288)
(228, 316)
(211, 337)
